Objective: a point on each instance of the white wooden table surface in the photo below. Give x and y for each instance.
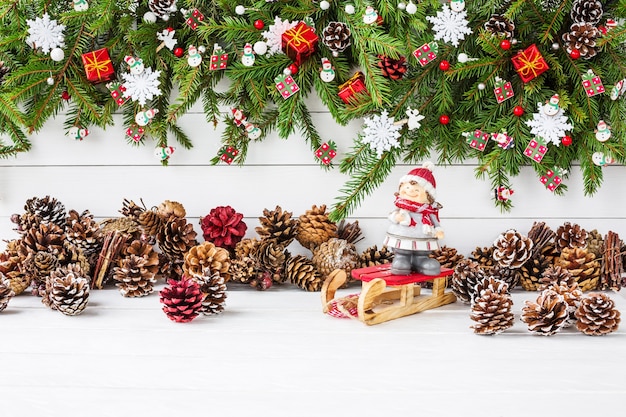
(274, 353)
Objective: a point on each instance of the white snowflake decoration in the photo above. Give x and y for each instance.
(274, 35)
(45, 34)
(551, 128)
(450, 26)
(381, 133)
(142, 87)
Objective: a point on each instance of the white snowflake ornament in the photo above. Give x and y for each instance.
(142, 87)
(45, 34)
(550, 127)
(381, 133)
(450, 26)
(274, 35)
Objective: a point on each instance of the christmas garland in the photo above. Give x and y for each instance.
(510, 83)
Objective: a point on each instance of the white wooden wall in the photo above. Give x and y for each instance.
(100, 171)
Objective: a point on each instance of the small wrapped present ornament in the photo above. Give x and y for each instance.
(592, 84)
(98, 66)
(219, 59)
(117, 92)
(503, 90)
(326, 152)
(477, 140)
(192, 18)
(426, 53)
(286, 85)
(529, 63)
(536, 149)
(356, 84)
(299, 42)
(228, 154)
(552, 178)
(135, 132)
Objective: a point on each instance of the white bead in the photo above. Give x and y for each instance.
(324, 5)
(149, 17)
(57, 54)
(513, 41)
(240, 10)
(555, 46)
(201, 49)
(349, 9)
(287, 71)
(402, 5)
(165, 17)
(260, 48)
(463, 58)
(411, 8)
(50, 80)
(481, 86)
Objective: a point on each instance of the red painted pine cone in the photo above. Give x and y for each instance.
(224, 227)
(182, 300)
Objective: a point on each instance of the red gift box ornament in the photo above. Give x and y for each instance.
(536, 149)
(356, 84)
(117, 92)
(228, 154)
(219, 59)
(299, 42)
(135, 132)
(326, 152)
(552, 178)
(426, 53)
(286, 85)
(192, 18)
(592, 83)
(529, 63)
(477, 139)
(503, 90)
(98, 66)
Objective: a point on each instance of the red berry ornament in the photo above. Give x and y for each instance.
(444, 119)
(566, 140)
(518, 111)
(575, 54)
(259, 24)
(65, 95)
(444, 65)
(293, 68)
(179, 52)
(505, 44)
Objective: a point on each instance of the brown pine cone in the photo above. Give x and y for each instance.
(171, 209)
(243, 269)
(143, 250)
(595, 243)
(500, 26)
(46, 210)
(83, 232)
(67, 290)
(589, 11)
(278, 224)
(213, 288)
(37, 266)
(176, 237)
(572, 296)
(533, 270)
(490, 283)
(446, 256)
(373, 256)
(335, 254)
(555, 275)
(392, 68)
(511, 277)
(570, 236)
(11, 266)
(582, 37)
(350, 232)
(583, 266)
(6, 293)
(47, 237)
(466, 276)
(512, 249)
(491, 309)
(315, 228)
(483, 256)
(246, 247)
(300, 271)
(270, 257)
(207, 257)
(132, 209)
(133, 278)
(546, 316)
(150, 222)
(336, 36)
(597, 315)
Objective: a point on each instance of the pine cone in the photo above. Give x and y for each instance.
(131, 209)
(47, 237)
(570, 236)
(270, 257)
(582, 37)
(242, 269)
(500, 26)
(446, 256)
(572, 296)
(207, 258)
(143, 250)
(466, 276)
(83, 232)
(483, 256)
(350, 232)
(583, 266)
(335, 254)
(548, 315)
(595, 243)
(512, 249)
(11, 268)
(6, 293)
(182, 300)
(171, 209)
(336, 36)
(550, 5)
(373, 256)
(392, 68)
(491, 309)
(133, 278)
(176, 237)
(612, 267)
(38, 266)
(533, 270)
(587, 11)
(162, 7)
(555, 275)
(213, 289)
(301, 272)
(278, 224)
(511, 277)
(4, 70)
(123, 225)
(67, 290)
(541, 236)
(46, 210)
(315, 228)
(73, 255)
(150, 222)
(224, 227)
(597, 315)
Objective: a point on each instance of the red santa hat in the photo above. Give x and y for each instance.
(424, 177)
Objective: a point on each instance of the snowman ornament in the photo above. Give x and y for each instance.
(78, 133)
(327, 73)
(144, 117)
(252, 131)
(457, 5)
(603, 131)
(551, 108)
(370, 16)
(194, 59)
(164, 152)
(248, 58)
(135, 65)
(80, 5)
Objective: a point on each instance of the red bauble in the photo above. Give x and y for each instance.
(444, 65)
(259, 24)
(293, 68)
(65, 95)
(505, 44)
(575, 54)
(224, 227)
(179, 52)
(518, 111)
(182, 300)
(566, 140)
(444, 119)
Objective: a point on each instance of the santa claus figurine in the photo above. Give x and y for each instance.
(414, 230)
